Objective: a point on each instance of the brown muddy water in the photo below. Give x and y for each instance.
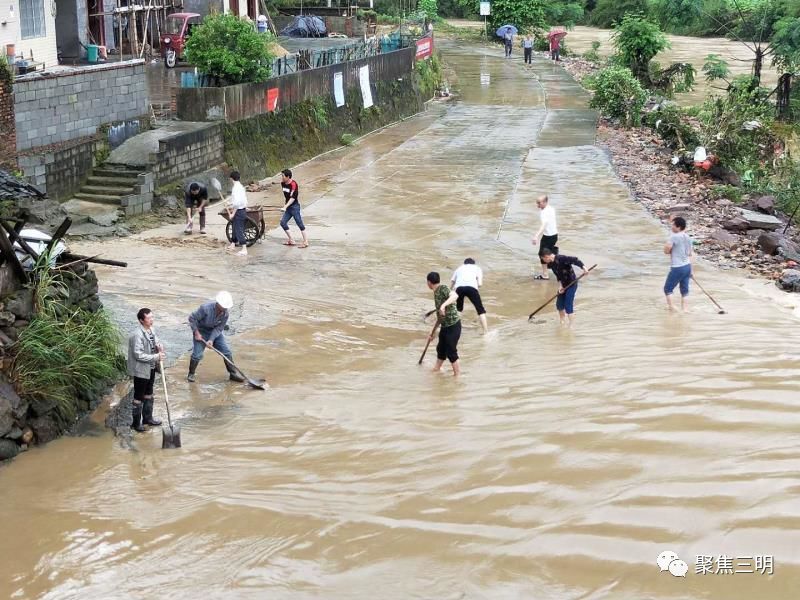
(684, 49)
(559, 466)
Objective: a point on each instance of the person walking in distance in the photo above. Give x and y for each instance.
(547, 235)
(679, 248)
(291, 209)
(195, 199)
(555, 47)
(565, 274)
(465, 281)
(208, 323)
(144, 352)
(237, 212)
(527, 48)
(450, 329)
(508, 39)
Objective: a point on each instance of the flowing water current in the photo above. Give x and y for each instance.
(559, 466)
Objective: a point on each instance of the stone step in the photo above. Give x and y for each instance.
(111, 181)
(98, 198)
(107, 190)
(115, 171)
(82, 211)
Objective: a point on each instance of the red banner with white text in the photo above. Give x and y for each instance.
(424, 48)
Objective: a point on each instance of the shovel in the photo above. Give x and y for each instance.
(258, 384)
(171, 435)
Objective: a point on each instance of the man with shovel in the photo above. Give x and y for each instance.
(195, 199)
(144, 353)
(208, 323)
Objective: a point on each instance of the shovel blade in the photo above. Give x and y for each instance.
(171, 436)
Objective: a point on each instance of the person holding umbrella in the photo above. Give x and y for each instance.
(507, 33)
(555, 37)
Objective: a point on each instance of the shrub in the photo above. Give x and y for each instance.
(607, 13)
(637, 42)
(593, 55)
(347, 139)
(527, 14)
(429, 76)
(670, 123)
(64, 353)
(230, 49)
(727, 129)
(429, 7)
(618, 95)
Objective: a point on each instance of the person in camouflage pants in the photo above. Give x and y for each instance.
(450, 321)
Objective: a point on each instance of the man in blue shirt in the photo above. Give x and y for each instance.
(208, 323)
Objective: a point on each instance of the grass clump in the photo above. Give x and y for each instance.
(64, 352)
(347, 139)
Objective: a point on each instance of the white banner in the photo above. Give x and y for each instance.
(338, 89)
(486, 9)
(366, 93)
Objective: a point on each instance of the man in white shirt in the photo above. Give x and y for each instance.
(465, 281)
(237, 212)
(547, 236)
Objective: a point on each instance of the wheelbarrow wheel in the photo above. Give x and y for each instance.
(252, 231)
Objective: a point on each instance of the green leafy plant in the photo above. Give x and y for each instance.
(619, 95)
(671, 123)
(524, 14)
(230, 49)
(429, 76)
(637, 42)
(715, 67)
(593, 55)
(64, 352)
(347, 139)
(607, 13)
(737, 127)
(429, 7)
(319, 112)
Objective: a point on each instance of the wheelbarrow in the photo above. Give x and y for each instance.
(254, 225)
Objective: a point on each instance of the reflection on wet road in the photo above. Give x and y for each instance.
(559, 466)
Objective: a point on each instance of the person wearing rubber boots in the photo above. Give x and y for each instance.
(195, 199)
(208, 323)
(144, 352)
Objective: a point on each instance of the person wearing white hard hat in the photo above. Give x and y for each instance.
(208, 323)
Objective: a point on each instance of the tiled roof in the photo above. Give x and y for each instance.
(12, 188)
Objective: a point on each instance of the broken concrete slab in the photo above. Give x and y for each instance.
(757, 220)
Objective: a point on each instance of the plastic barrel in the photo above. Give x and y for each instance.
(91, 53)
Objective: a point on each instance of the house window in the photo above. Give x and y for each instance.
(31, 14)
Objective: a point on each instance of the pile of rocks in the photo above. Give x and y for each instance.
(748, 236)
(579, 68)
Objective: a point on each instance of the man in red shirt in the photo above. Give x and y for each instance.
(291, 209)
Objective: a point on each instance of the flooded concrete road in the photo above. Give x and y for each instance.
(559, 466)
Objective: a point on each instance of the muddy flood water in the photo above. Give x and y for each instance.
(559, 466)
(684, 49)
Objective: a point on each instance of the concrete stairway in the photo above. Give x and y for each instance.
(108, 184)
(111, 191)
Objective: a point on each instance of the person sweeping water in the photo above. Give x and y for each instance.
(562, 267)
(679, 248)
(450, 322)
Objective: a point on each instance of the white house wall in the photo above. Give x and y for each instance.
(43, 48)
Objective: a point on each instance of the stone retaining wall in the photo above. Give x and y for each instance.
(187, 153)
(64, 106)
